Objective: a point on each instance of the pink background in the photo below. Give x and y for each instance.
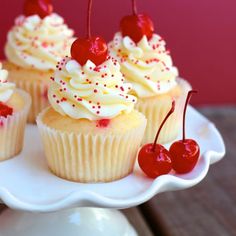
(201, 35)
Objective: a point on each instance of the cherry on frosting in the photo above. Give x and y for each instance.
(154, 159)
(93, 49)
(137, 25)
(41, 8)
(90, 48)
(185, 152)
(5, 110)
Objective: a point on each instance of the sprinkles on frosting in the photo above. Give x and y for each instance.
(147, 60)
(81, 91)
(38, 43)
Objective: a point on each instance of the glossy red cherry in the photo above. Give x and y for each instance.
(93, 49)
(154, 163)
(5, 110)
(184, 155)
(153, 158)
(185, 152)
(41, 8)
(136, 26)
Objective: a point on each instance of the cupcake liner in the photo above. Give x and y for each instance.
(90, 157)
(38, 93)
(12, 130)
(155, 111)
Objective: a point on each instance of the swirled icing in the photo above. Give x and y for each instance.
(91, 92)
(147, 64)
(6, 88)
(38, 43)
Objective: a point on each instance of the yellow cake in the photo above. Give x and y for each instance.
(14, 108)
(33, 48)
(91, 132)
(147, 65)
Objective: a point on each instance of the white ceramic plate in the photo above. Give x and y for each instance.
(26, 183)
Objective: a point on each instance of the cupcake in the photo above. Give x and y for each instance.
(91, 132)
(147, 65)
(14, 108)
(34, 44)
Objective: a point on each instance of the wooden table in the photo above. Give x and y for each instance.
(206, 209)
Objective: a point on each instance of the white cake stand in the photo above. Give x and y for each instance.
(59, 207)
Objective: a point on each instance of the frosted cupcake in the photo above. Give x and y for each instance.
(14, 107)
(35, 43)
(91, 132)
(147, 65)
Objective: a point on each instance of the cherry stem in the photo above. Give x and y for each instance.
(134, 7)
(190, 93)
(89, 18)
(162, 124)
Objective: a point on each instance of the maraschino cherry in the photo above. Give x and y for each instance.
(5, 110)
(154, 159)
(41, 8)
(185, 152)
(136, 25)
(90, 48)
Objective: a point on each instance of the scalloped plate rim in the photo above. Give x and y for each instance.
(92, 199)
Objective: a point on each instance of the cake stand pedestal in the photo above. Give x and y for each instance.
(43, 204)
(72, 222)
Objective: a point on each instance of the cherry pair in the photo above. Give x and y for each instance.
(155, 160)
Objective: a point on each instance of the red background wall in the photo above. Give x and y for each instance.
(201, 35)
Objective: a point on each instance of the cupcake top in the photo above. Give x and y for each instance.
(89, 91)
(6, 88)
(146, 64)
(35, 42)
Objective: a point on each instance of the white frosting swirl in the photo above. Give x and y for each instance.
(38, 43)
(147, 64)
(6, 88)
(91, 92)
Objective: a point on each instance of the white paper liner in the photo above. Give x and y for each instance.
(90, 157)
(155, 112)
(38, 93)
(12, 129)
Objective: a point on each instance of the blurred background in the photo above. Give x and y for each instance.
(200, 34)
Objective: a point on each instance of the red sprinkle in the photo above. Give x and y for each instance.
(103, 123)
(45, 44)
